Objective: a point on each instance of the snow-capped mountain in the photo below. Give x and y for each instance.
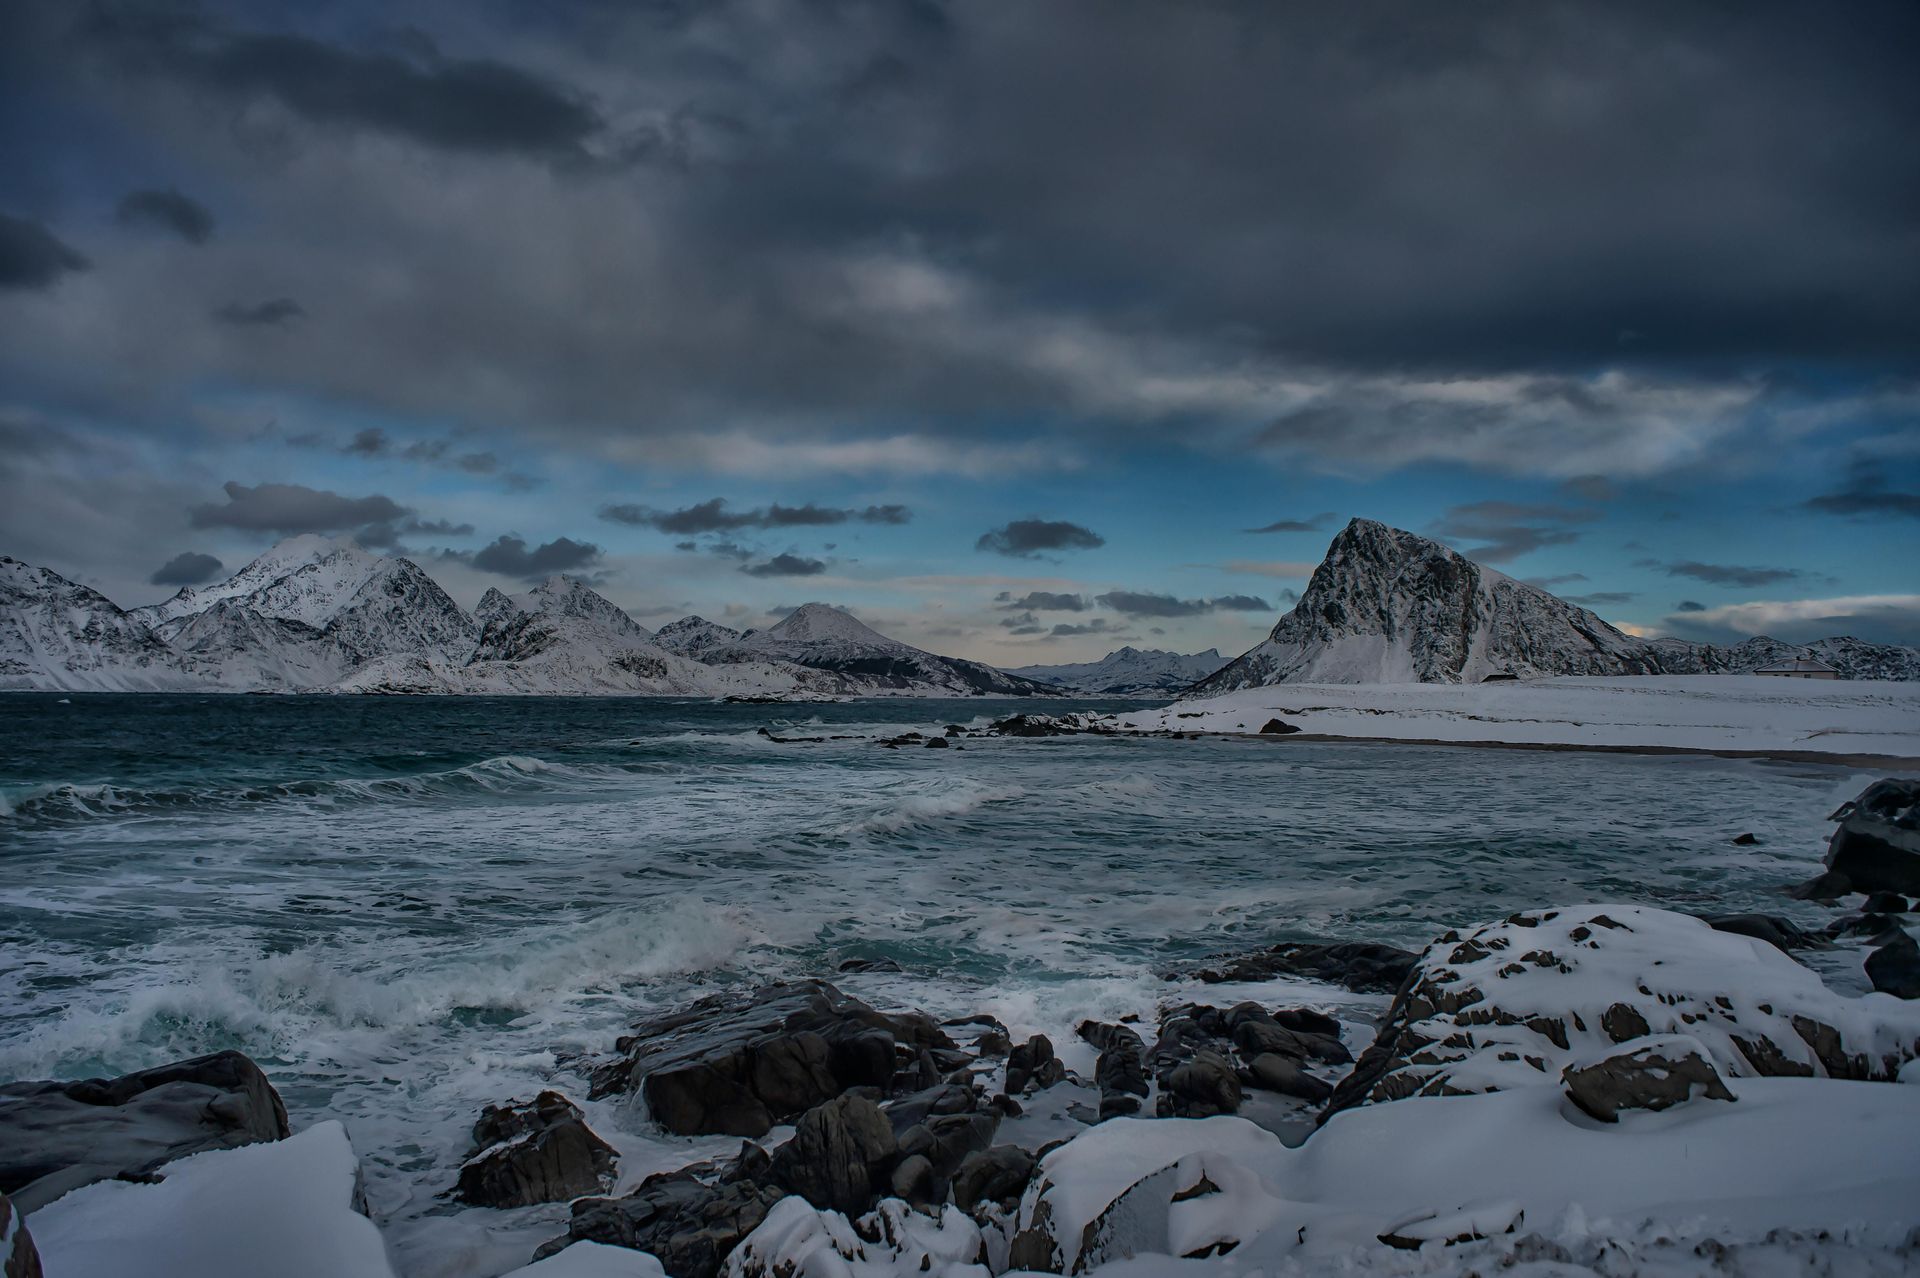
(58, 634)
(695, 637)
(1853, 658)
(1387, 606)
(1129, 671)
(825, 638)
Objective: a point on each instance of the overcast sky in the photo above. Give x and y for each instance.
(1021, 329)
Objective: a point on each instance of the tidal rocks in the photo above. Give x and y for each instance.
(1275, 1073)
(735, 1066)
(690, 1225)
(18, 1259)
(58, 1136)
(1826, 887)
(1278, 728)
(840, 1155)
(1361, 966)
(1204, 1086)
(1652, 1073)
(1877, 845)
(996, 1175)
(1894, 968)
(539, 1151)
(1782, 934)
(1033, 1065)
(1509, 1003)
(1120, 1071)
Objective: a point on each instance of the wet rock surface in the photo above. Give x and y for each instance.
(18, 1256)
(58, 1136)
(1361, 966)
(540, 1151)
(1877, 845)
(1894, 968)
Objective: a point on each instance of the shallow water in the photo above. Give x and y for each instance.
(408, 908)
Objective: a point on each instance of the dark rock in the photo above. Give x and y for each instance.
(1279, 1074)
(1878, 843)
(1894, 968)
(1278, 727)
(1005, 1106)
(1745, 840)
(955, 730)
(996, 1175)
(839, 1155)
(994, 1042)
(1887, 903)
(1034, 725)
(59, 1136)
(1783, 934)
(1120, 1072)
(1361, 966)
(1879, 929)
(936, 743)
(1302, 1020)
(869, 965)
(734, 1066)
(1655, 1074)
(947, 1139)
(541, 1151)
(912, 1179)
(689, 1226)
(18, 1257)
(1826, 888)
(942, 1098)
(1204, 1086)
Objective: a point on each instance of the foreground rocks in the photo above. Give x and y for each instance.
(538, 1152)
(1361, 966)
(1652, 1074)
(1877, 847)
(58, 1136)
(735, 1066)
(18, 1258)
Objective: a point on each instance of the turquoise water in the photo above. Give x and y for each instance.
(407, 908)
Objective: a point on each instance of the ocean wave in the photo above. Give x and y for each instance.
(924, 806)
(73, 803)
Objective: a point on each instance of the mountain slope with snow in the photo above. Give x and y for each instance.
(824, 638)
(1128, 671)
(695, 637)
(58, 634)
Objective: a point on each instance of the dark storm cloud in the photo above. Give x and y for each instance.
(169, 210)
(368, 443)
(31, 256)
(188, 568)
(268, 314)
(785, 566)
(1504, 530)
(1136, 603)
(1601, 597)
(293, 508)
(1867, 495)
(1689, 605)
(509, 556)
(476, 105)
(1026, 538)
(713, 516)
(1043, 601)
(1098, 626)
(1722, 574)
(1315, 524)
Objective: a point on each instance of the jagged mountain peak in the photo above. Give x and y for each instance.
(823, 623)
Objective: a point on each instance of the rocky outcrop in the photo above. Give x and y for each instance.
(797, 1240)
(1877, 847)
(840, 1155)
(735, 1066)
(1652, 1073)
(1894, 968)
(691, 1225)
(539, 1151)
(58, 1136)
(1128, 672)
(1361, 966)
(1509, 1003)
(18, 1257)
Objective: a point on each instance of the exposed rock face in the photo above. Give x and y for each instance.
(1877, 847)
(1782, 934)
(1361, 966)
(58, 1136)
(828, 639)
(18, 1258)
(56, 633)
(1387, 606)
(1128, 672)
(1853, 658)
(996, 1175)
(1503, 1004)
(1652, 1073)
(1894, 968)
(691, 1226)
(540, 1151)
(735, 1066)
(1120, 1071)
(695, 637)
(839, 1156)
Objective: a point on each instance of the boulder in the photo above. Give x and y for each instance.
(1361, 966)
(1746, 840)
(840, 1156)
(1513, 1003)
(1279, 1074)
(996, 1175)
(58, 1136)
(1278, 727)
(947, 1140)
(1878, 843)
(1203, 1087)
(1826, 887)
(1887, 903)
(691, 1226)
(18, 1259)
(1894, 968)
(1033, 1064)
(799, 1241)
(1782, 934)
(539, 1151)
(732, 1065)
(1120, 1072)
(1650, 1073)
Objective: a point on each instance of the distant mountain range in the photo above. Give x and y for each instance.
(1387, 606)
(313, 614)
(1129, 672)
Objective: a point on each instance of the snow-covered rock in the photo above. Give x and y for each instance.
(285, 1208)
(1853, 658)
(796, 1240)
(1128, 672)
(827, 639)
(58, 634)
(1387, 606)
(593, 1260)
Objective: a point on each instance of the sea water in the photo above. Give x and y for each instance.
(408, 908)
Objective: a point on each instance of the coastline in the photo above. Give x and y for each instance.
(1871, 762)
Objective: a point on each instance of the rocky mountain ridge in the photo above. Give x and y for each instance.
(1129, 671)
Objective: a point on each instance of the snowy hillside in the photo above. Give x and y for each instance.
(55, 633)
(695, 637)
(827, 639)
(1853, 658)
(1129, 671)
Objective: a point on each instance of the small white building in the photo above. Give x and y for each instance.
(1805, 666)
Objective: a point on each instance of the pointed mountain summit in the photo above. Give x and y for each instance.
(56, 633)
(825, 638)
(1388, 606)
(695, 636)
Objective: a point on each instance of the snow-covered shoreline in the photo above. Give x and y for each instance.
(1739, 714)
